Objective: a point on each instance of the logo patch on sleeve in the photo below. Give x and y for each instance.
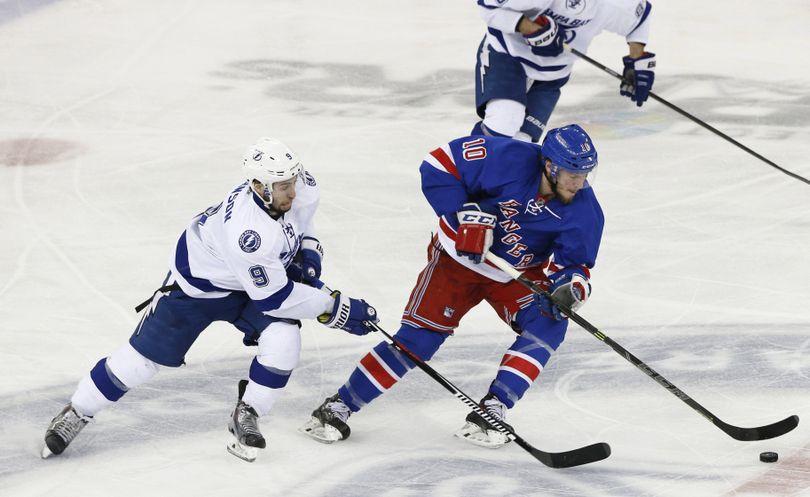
(250, 241)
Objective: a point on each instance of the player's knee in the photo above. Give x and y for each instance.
(280, 346)
(130, 367)
(268, 376)
(543, 329)
(422, 342)
(504, 117)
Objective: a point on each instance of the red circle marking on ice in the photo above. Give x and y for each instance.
(34, 152)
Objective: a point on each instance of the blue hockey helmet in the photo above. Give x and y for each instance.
(569, 148)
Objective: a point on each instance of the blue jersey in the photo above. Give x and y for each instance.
(503, 177)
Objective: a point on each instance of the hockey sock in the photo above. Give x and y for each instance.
(481, 129)
(265, 387)
(520, 366)
(380, 369)
(111, 378)
(377, 371)
(97, 390)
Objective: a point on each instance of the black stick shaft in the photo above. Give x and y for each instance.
(745, 434)
(693, 118)
(567, 459)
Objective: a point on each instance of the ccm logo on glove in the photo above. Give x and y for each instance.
(476, 218)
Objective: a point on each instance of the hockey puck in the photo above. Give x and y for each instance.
(768, 457)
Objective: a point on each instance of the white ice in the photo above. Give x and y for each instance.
(121, 120)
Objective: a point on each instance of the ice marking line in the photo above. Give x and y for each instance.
(19, 195)
(19, 198)
(20, 269)
(563, 385)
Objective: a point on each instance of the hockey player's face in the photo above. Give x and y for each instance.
(283, 195)
(568, 184)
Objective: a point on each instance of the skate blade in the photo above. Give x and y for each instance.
(322, 433)
(489, 439)
(243, 452)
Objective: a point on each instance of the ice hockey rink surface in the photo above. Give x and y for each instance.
(122, 120)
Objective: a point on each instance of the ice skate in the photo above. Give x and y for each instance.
(244, 426)
(478, 431)
(328, 422)
(62, 430)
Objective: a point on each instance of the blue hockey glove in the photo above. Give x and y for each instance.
(638, 77)
(306, 267)
(569, 287)
(548, 40)
(474, 236)
(348, 315)
(311, 255)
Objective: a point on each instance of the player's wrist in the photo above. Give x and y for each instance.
(636, 50)
(526, 26)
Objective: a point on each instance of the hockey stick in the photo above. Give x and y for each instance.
(745, 434)
(567, 459)
(691, 117)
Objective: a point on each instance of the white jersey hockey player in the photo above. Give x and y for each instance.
(251, 260)
(522, 63)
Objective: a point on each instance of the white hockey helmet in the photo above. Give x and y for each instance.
(269, 161)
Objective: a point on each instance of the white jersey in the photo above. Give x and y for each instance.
(582, 20)
(236, 246)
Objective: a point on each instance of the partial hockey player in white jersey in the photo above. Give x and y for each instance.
(522, 62)
(251, 260)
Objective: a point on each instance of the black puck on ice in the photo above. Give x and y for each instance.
(768, 457)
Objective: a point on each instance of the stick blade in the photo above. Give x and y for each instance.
(762, 432)
(571, 458)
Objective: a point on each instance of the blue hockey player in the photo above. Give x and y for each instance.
(522, 64)
(530, 205)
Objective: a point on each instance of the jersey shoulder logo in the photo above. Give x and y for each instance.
(250, 241)
(575, 4)
(535, 206)
(309, 179)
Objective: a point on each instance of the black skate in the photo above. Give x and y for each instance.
(328, 422)
(479, 432)
(244, 426)
(62, 430)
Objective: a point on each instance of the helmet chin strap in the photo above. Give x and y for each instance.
(266, 196)
(551, 181)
